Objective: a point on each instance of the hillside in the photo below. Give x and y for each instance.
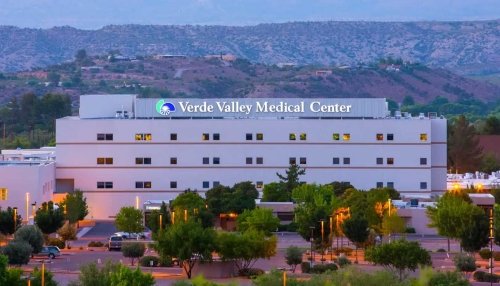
(229, 77)
(467, 48)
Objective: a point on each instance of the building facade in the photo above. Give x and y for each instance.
(123, 150)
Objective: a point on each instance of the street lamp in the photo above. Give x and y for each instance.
(322, 221)
(15, 218)
(161, 221)
(492, 237)
(311, 240)
(173, 217)
(330, 238)
(337, 227)
(389, 202)
(27, 207)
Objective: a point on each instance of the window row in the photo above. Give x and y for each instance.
(345, 161)
(293, 161)
(381, 185)
(4, 192)
(104, 161)
(258, 160)
(215, 160)
(258, 136)
(389, 161)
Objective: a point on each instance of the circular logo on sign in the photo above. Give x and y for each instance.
(164, 108)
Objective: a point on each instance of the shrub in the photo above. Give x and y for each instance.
(485, 253)
(343, 261)
(305, 267)
(165, 261)
(410, 230)
(441, 250)
(250, 272)
(32, 235)
(465, 263)
(447, 278)
(293, 257)
(146, 261)
(95, 244)
(133, 250)
(482, 276)
(55, 242)
(322, 268)
(496, 255)
(48, 277)
(18, 252)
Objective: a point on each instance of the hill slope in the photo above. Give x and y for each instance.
(464, 47)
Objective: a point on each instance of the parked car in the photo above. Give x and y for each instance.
(49, 251)
(115, 242)
(131, 235)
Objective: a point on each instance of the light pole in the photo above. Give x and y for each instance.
(311, 240)
(15, 218)
(389, 202)
(322, 221)
(330, 241)
(492, 237)
(173, 217)
(337, 227)
(27, 207)
(161, 221)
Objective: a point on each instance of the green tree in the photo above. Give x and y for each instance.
(129, 219)
(18, 252)
(32, 235)
(465, 263)
(75, 206)
(153, 219)
(464, 153)
(7, 225)
(489, 163)
(133, 250)
(67, 232)
(10, 277)
(492, 126)
(275, 192)
(188, 241)
(125, 276)
(291, 178)
(393, 224)
(259, 219)
(408, 101)
(339, 188)
(475, 235)
(293, 257)
(47, 276)
(399, 256)
(48, 218)
(356, 229)
(245, 248)
(223, 200)
(91, 275)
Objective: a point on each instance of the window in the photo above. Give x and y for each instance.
(173, 185)
(380, 136)
(259, 185)
(206, 184)
(206, 160)
(292, 136)
(380, 161)
(143, 185)
(259, 160)
(423, 161)
(4, 194)
(173, 161)
(303, 136)
(249, 136)
(216, 161)
(423, 185)
(216, 136)
(249, 161)
(147, 161)
(303, 160)
(173, 136)
(347, 161)
(390, 161)
(143, 161)
(336, 136)
(380, 185)
(260, 136)
(143, 137)
(205, 137)
(104, 161)
(347, 136)
(105, 137)
(390, 137)
(423, 136)
(292, 161)
(336, 160)
(216, 183)
(390, 185)
(104, 185)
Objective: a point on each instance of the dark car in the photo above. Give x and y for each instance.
(115, 242)
(49, 251)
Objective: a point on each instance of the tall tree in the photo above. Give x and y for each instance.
(49, 218)
(129, 219)
(356, 229)
(275, 192)
(9, 224)
(464, 152)
(259, 219)
(492, 126)
(32, 235)
(74, 206)
(475, 236)
(291, 178)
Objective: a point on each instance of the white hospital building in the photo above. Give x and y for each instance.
(122, 150)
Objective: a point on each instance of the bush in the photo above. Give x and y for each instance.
(305, 267)
(146, 261)
(18, 252)
(482, 276)
(250, 272)
(465, 263)
(95, 244)
(343, 261)
(165, 261)
(48, 277)
(441, 250)
(293, 257)
(345, 250)
(447, 278)
(410, 230)
(485, 253)
(496, 255)
(133, 250)
(32, 235)
(322, 268)
(55, 242)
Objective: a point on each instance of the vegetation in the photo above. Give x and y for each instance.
(49, 218)
(48, 278)
(18, 252)
(112, 274)
(129, 219)
(67, 232)
(32, 235)
(293, 257)
(74, 206)
(133, 250)
(356, 229)
(224, 200)
(153, 219)
(465, 263)
(259, 219)
(463, 151)
(191, 205)
(390, 256)
(7, 223)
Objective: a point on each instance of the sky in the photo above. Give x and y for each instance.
(94, 14)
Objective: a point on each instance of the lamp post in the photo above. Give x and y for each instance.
(330, 241)
(173, 217)
(389, 202)
(322, 221)
(27, 207)
(15, 218)
(492, 237)
(161, 221)
(311, 240)
(185, 215)
(337, 226)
